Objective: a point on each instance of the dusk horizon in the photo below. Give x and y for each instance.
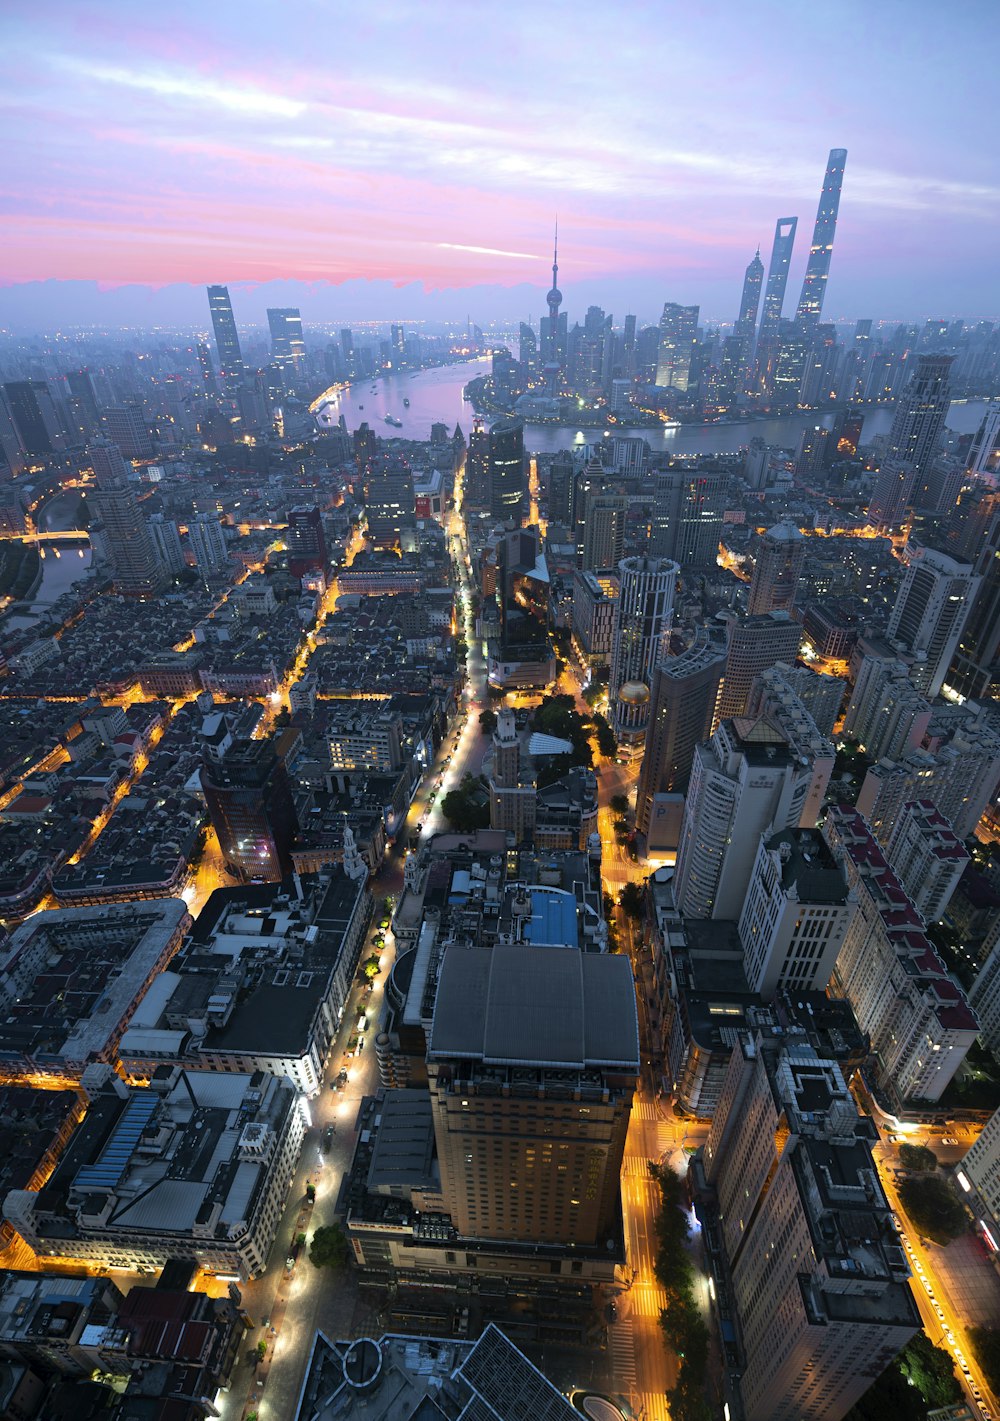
(422, 167)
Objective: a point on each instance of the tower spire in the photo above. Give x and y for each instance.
(555, 259)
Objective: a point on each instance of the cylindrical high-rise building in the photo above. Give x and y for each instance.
(640, 639)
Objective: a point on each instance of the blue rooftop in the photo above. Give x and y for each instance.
(553, 919)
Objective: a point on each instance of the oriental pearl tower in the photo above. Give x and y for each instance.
(554, 301)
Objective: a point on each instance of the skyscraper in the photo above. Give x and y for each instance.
(975, 669)
(678, 332)
(167, 541)
(306, 543)
(819, 1282)
(126, 427)
(250, 804)
(777, 278)
(687, 515)
(810, 307)
(476, 483)
(208, 543)
(920, 415)
(389, 499)
(984, 452)
(542, 1164)
(780, 555)
(33, 414)
(746, 781)
(641, 637)
(523, 654)
(288, 349)
(227, 341)
(604, 529)
(746, 323)
(930, 611)
(507, 482)
(754, 644)
(682, 713)
(136, 568)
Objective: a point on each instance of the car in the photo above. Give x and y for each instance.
(342, 1076)
(362, 1022)
(290, 1261)
(948, 1140)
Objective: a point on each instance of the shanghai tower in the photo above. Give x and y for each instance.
(818, 266)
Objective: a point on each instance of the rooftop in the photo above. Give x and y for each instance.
(519, 1004)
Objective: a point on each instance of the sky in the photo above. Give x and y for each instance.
(408, 160)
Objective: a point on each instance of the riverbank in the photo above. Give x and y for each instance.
(20, 570)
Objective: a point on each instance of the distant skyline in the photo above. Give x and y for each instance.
(403, 161)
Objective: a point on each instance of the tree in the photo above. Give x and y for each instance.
(331, 1248)
(487, 721)
(370, 967)
(931, 1371)
(606, 742)
(619, 803)
(261, 1349)
(633, 900)
(985, 1344)
(932, 1207)
(465, 810)
(918, 1159)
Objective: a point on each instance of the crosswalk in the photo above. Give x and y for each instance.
(635, 1167)
(648, 1299)
(621, 1349)
(643, 1109)
(652, 1406)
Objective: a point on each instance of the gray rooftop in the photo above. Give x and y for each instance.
(520, 1004)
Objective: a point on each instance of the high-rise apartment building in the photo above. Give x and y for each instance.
(820, 1289)
(979, 1179)
(984, 451)
(927, 857)
(288, 348)
(772, 696)
(687, 515)
(678, 333)
(930, 611)
(640, 639)
(208, 543)
(250, 804)
(960, 777)
(506, 471)
(892, 493)
(227, 341)
(532, 1064)
(822, 696)
(136, 568)
(745, 782)
(167, 541)
(753, 645)
(685, 695)
(794, 915)
(975, 667)
(810, 307)
(918, 1018)
(780, 556)
(886, 713)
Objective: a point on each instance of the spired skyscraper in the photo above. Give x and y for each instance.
(818, 266)
(753, 280)
(227, 341)
(774, 300)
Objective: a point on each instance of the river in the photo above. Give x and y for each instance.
(436, 397)
(61, 566)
